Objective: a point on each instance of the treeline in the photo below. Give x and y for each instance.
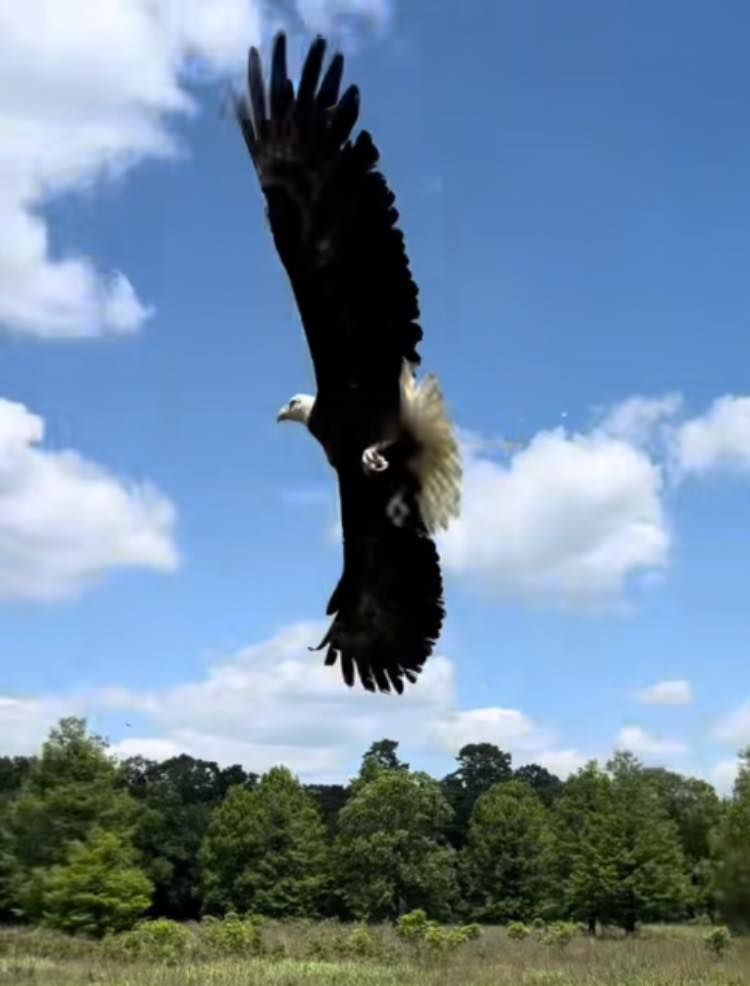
(91, 843)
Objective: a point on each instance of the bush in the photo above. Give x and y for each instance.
(232, 936)
(517, 931)
(415, 927)
(363, 943)
(560, 933)
(412, 926)
(718, 941)
(161, 940)
(470, 931)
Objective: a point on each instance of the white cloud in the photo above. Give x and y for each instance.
(25, 722)
(65, 522)
(724, 773)
(329, 15)
(561, 762)
(675, 692)
(643, 421)
(718, 439)
(638, 741)
(504, 727)
(152, 747)
(86, 92)
(275, 702)
(572, 517)
(734, 727)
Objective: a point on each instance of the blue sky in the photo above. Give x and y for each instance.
(572, 185)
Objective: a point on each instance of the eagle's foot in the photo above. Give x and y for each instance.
(373, 461)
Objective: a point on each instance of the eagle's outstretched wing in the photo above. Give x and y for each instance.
(333, 221)
(389, 601)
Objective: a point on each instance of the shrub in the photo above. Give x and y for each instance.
(436, 939)
(412, 926)
(232, 936)
(471, 931)
(560, 933)
(363, 943)
(718, 941)
(416, 928)
(517, 931)
(161, 940)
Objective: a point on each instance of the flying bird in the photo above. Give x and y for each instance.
(386, 434)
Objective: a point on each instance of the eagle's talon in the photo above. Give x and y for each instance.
(373, 461)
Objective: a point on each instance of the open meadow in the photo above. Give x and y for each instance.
(322, 953)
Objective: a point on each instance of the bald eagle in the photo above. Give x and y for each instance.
(386, 435)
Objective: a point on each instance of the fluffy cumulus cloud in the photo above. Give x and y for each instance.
(575, 518)
(642, 421)
(734, 727)
(674, 692)
(717, 440)
(570, 517)
(724, 773)
(638, 741)
(65, 522)
(87, 90)
(275, 702)
(26, 721)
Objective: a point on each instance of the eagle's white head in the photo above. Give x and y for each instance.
(298, 408)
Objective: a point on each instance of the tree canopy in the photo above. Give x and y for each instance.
(90, 842)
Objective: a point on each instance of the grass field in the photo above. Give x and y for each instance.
(656, 957)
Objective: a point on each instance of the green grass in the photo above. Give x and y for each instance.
(656, 957)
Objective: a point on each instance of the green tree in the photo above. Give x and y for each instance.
(73, 786)
(504, 862)
(390, 854)
(651, 870)
(99, 888)
(585, 848)
(13, 773)
(480, 767)
(382, 755)
(330, 799)
(9, 874)
(544, 784)
(695, 808)
(178, 797)
(264, 851)
(732, 878)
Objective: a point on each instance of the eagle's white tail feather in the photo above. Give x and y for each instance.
(438, 462)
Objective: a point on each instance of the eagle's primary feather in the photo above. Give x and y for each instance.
(333, 221)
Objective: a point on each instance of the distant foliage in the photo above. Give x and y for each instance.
(91, 844)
